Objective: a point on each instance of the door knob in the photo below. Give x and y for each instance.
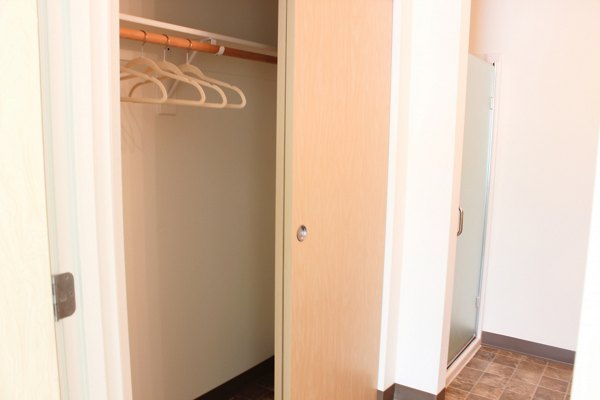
(302, 233)
(461, 220)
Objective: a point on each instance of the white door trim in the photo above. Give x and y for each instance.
(82, 149)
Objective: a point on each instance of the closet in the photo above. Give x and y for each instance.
(256, 230)
(199, 197)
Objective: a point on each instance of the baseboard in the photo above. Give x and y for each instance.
(527, 347)
(231, 387)
(388, 394)
(408, 393)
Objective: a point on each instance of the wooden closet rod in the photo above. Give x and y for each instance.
(204, 47)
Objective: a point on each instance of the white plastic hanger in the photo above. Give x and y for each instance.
(131, 73)
(171, 68)
(145, 100)
(157, 71)
(143, 61)
(192, 70)
(165, 65)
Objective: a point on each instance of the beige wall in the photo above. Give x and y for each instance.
(199, 208)
(28, 364)
(254, 20)
(547, 120)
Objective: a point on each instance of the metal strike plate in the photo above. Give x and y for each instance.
(63, 291)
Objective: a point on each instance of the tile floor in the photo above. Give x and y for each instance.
(496, 374)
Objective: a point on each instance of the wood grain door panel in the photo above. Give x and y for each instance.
(340, 74)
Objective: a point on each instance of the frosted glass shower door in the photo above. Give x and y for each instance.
(473, 203)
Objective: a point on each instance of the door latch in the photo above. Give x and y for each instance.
(302, 233)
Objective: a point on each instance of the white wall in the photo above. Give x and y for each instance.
(432, 87)
(548, 102)
(28, 360)
(199, 208)
(395, 196)
(587, 369)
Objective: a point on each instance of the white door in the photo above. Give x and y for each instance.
(28, 360)
(473, 203)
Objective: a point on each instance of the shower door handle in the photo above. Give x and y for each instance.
(461, 220)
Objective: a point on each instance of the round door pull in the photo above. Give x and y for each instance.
(302, 233)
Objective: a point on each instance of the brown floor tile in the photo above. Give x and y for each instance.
(560, 365)
(470, 375)
(547, 394)
(476, 397)
(537, 360)
(497, 374)
(494, 380)
(478, 363)
(485, 354)
(455, 394)
(504, 360)
(512, 354)
(520, 387)
(489, 349)
(554, 384)
(461, 384)
(527, 376)
(508, 395)
(487, 391)
(499, 369)
(561, 374)
(531, 366)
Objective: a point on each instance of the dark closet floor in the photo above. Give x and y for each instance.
(254, 384)
(259, 389)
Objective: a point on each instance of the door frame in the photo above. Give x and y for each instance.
(496, 60)
(283, 207)
(83, 176)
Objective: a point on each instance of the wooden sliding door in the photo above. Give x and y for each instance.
(337, 119)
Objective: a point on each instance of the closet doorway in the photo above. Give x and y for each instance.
(237, 220)
(199, 175)
(241, 218)
(475, 180)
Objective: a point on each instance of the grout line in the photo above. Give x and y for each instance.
(483, 373)
(510, 378)
(540, 380)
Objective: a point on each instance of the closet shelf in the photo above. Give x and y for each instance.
(152, 31)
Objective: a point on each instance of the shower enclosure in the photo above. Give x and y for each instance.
(473, 205)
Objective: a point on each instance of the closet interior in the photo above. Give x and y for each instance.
(198, 161)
